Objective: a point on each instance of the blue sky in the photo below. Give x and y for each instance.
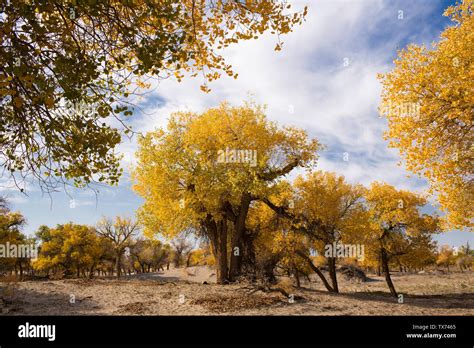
(324, 80)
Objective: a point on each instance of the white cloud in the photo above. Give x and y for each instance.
(335, 103)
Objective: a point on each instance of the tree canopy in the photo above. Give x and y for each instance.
(398, 225)
(68, 67)
(428, 100)
(206, 169)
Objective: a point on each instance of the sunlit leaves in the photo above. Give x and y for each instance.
(182, 180)
(70, 247)
(11, 224)
(397, 223)
(428, 100)
(97, 52)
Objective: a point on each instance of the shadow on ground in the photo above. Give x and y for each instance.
(14, 301)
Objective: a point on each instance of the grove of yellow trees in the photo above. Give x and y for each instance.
(221, 175)
(246, 187)
(187, 185)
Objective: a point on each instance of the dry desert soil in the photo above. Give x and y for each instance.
(182, 292)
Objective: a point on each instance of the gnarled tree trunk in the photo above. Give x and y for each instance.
(332, 273)
(217, 232)
(237, 238)
(386, 271)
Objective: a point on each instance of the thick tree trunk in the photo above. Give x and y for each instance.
(217, 232)
(221, 253)
(386, 270)
(237, 238)
(249, 262)
(332, 273)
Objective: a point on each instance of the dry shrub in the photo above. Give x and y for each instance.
(9, 278)
(81, 282)
(353, 272)
(8, 290)
(135, 308)
(58, 275)
(286, 284)
(236, 302)
(8, 294)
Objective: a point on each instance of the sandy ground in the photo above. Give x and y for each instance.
(181, 292)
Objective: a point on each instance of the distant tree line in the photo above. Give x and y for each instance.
(111, 248)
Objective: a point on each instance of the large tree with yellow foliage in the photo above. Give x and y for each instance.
(397, 224)
(202, 173)
(325, 209)
(428, 101)
(67, 68)
(270, 242)
(69, 248)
